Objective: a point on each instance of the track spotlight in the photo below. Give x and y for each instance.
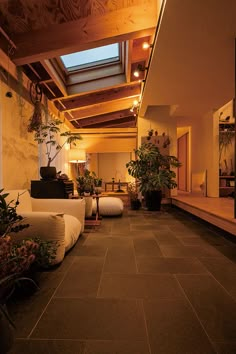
(140, 68)
(147, 45)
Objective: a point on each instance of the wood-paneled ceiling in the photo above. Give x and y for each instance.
(46, 29)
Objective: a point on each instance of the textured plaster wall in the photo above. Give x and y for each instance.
(19, 151)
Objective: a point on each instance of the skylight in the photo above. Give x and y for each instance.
(91, 57)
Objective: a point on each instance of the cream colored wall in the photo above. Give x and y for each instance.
(97, 144)
(19, 151)
(203, 151)
(158, 118)
(112, 165)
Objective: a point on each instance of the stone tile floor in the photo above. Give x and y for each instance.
(143, 283)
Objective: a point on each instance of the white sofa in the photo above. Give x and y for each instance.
(60, 220)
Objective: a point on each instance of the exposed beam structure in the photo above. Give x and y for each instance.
(92, 31)
(106, 118)
(101, 96)
(101, 93)
(54, 75)
(103, 108)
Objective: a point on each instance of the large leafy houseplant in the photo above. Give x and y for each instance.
(152, 169)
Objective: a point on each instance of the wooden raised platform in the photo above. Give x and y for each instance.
(216, 211)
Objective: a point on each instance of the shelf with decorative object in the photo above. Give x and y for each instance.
(226, 185)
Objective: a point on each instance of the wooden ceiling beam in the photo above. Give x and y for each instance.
(92, 31)
(100, 96)
(126, 122)
(103, 108)
(104, 118)
(129, 49)
(54, 75)
(106, 132)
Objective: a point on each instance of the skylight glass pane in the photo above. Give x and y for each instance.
(91, 56)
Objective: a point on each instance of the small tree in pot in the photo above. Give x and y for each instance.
(49, 134)
(153, 173)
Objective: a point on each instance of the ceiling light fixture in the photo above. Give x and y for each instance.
(147, 45)
(140, 68)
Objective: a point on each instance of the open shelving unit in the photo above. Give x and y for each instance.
(227, 179)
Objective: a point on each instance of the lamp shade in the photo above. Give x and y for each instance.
(77, 156)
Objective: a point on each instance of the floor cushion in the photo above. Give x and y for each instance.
(109, 206)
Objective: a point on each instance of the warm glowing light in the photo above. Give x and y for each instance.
(136, 73)
(131, 109)
(135, 103)
(77, 156)
(145, 45)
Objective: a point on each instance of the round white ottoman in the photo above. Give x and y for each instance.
(109, 206)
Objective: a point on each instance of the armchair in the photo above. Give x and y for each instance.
(60, 220)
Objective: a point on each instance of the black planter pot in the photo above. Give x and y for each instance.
(153, 200)
(135, 204)
(48, 172)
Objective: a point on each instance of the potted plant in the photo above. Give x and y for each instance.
(17, 257)
(153, 173)
(135, 202)
(49, 134)
(85, 183)
(97, 183)
(14, 260)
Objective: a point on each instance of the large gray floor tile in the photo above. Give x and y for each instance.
(225, 348)
(173, 328)
(146, 247)
(48, 347)
(145, 286)
(224, 271)
(109, 241)
(87, 264)
(98, 319)
(26, 311)
(170, 265)
(189, 251)
(166, 238)
(77, 285)
(120, 260)
(214, 307)
(116, 347)
(96, 250)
